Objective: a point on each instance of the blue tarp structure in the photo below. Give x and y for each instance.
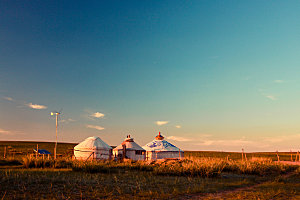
(42, 151)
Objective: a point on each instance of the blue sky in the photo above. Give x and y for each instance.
(218, 75)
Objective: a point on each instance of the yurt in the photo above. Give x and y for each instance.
(129, 149)
(159, 148)
(92, 148)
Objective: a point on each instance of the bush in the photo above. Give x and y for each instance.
(202, 167)
(32, 162)
(9, 162)
(256, 167)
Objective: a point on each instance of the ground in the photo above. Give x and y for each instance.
(19, 182)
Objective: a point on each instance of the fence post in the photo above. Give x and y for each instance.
(242, 154)
(89, 156)
(110, 154)
(37, 150)
(278, 156)
(5, 152)
(124, 152)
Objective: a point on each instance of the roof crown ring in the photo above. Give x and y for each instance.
(128, 139)
(159, 137)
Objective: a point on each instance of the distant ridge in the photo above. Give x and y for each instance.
(25, 141)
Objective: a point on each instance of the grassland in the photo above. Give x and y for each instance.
(63, 184)
(19, 149)
(65, 149)
(201, 175)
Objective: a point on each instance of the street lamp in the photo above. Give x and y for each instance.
(56, 115)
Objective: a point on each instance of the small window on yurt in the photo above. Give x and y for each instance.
(138, 152)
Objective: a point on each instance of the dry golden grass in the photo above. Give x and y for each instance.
(73, 179)
(201, 167)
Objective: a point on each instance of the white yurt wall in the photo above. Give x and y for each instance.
(159, 148)
(92, 148)
(133, 150)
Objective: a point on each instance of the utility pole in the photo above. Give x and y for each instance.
(56, 124)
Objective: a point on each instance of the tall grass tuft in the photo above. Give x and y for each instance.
(192, 166)
(32, 162)
(203, 167)
(9, 162)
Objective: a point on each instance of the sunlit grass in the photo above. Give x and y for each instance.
(198, 172)
(200, 167)
(63, 183)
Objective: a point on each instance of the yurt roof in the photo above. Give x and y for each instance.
(130, 144)
(160, 144)
(92, 143)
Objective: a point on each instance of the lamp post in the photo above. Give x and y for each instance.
(56, 116)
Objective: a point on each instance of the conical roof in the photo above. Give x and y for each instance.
(130, 144)
(160, 144)
(92, 143)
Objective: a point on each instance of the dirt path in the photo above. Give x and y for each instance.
(220, 195)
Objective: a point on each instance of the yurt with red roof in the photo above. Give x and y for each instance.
(129, 149)
(159, 148)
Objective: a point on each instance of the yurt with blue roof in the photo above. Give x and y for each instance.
(159, 148)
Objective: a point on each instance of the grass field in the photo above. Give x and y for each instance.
(65, 150)
(283, 156)
(201, 175)
(16, 148)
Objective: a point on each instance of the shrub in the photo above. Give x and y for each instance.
(32, 162)
(9, 162)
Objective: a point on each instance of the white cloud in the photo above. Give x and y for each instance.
(269, 96)
(99, 128)
(97, 115)
(199, 137)
(180, 139)
(278, 81)
(261, 143)
(205, 135)
(36, 106)
(160, 123)
(177, 126)
(283, 138)
(206, 142)
(234, 142)
(280, 142)
(273, 98)
(8, 98)
(67, 120)
(5, 132)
